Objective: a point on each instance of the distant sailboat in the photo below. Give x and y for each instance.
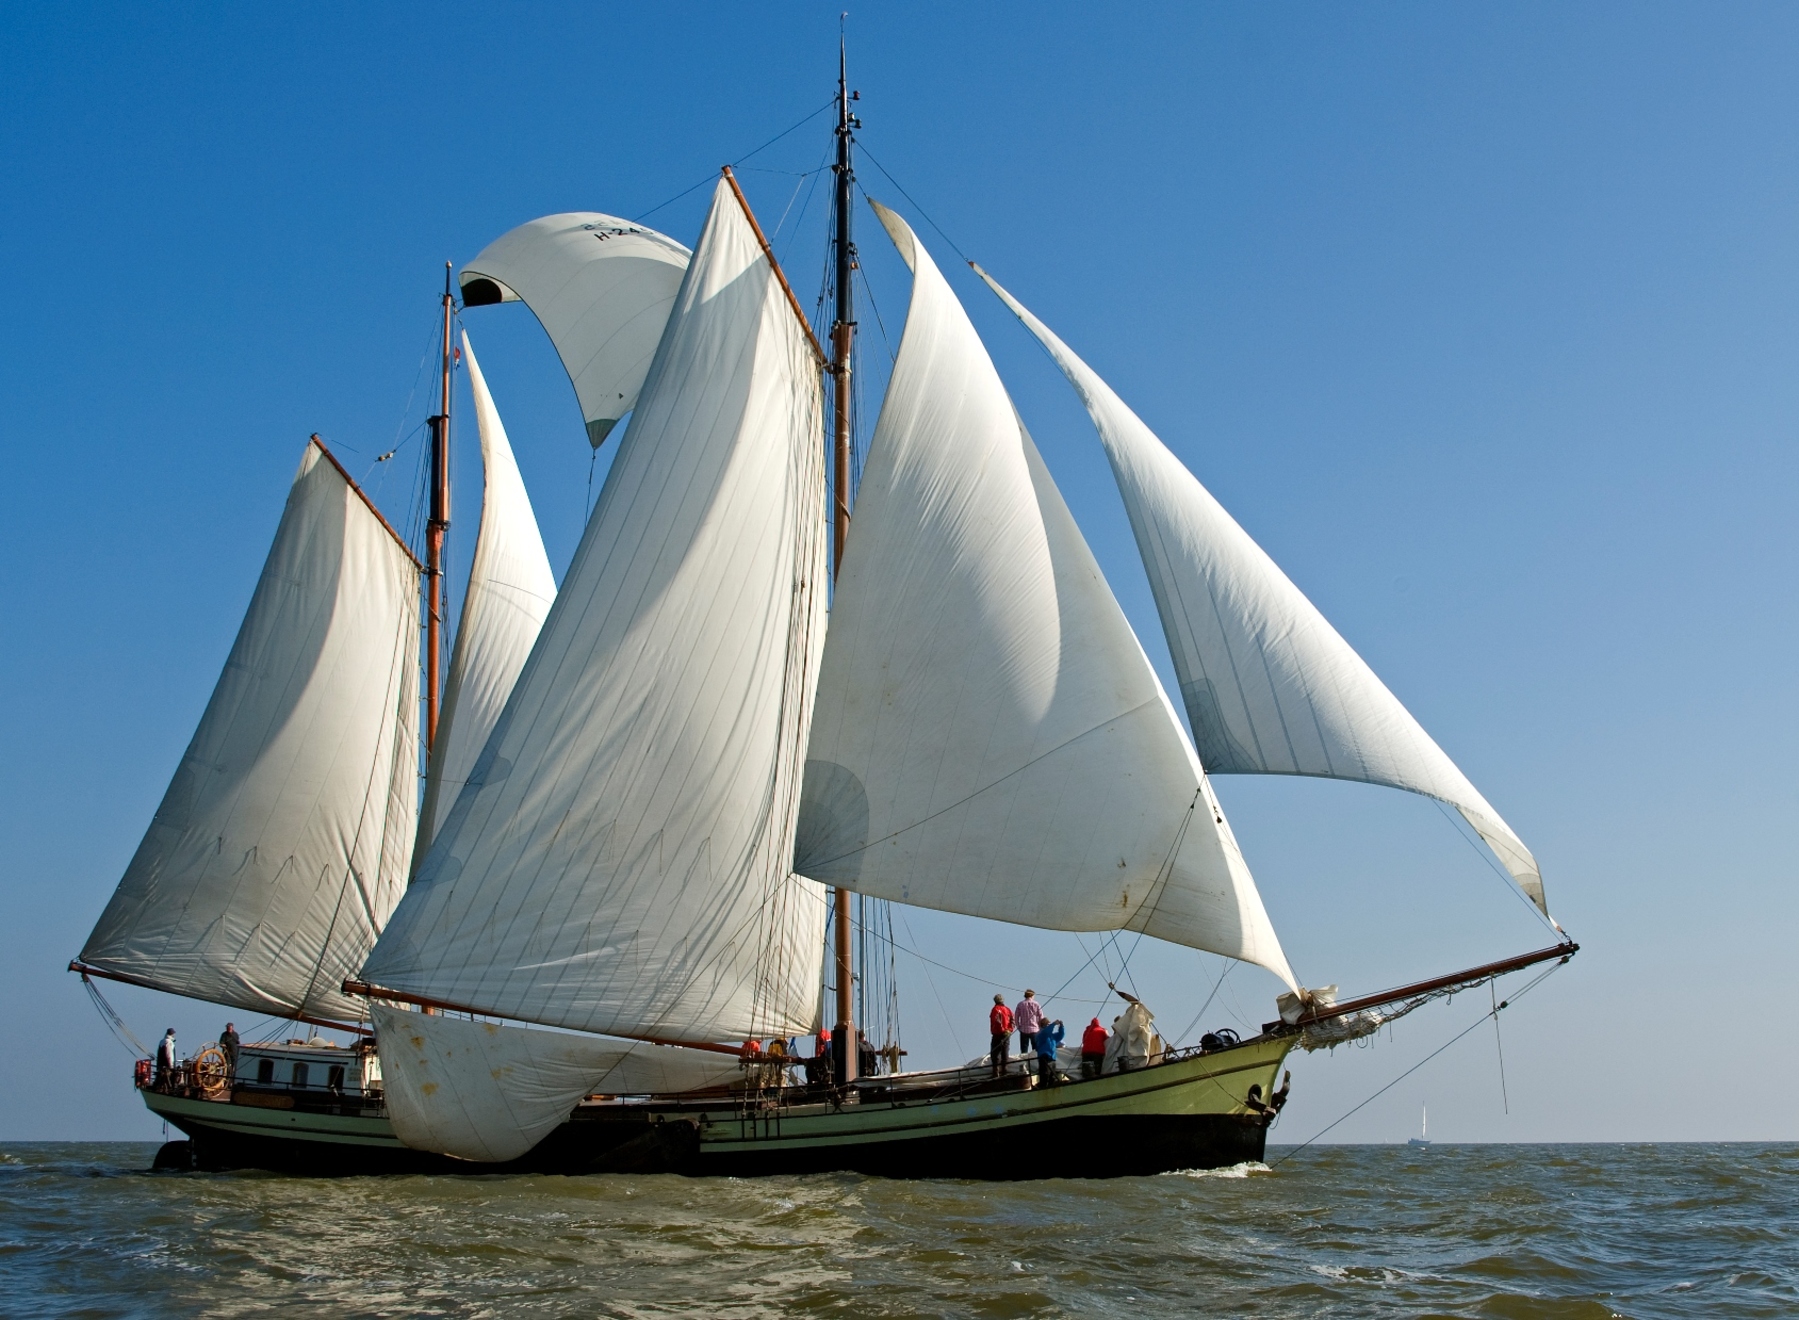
(1422, 1140)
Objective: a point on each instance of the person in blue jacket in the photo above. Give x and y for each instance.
(1049, 1036)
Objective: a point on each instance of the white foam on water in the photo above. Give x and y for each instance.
(1242, 1170)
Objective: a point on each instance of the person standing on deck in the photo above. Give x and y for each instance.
(999, 1022)
(1029, 1018)
(228, 1047)
(1093, 1049)
(165, 1056)
(1049, 1037)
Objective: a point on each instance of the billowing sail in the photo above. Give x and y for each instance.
(601, 286)
(989, 737)
(283, 842)
(488, 1092)
(620, 858)
(1269, 685)
(510, 589)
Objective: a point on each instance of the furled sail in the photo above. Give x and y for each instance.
(989, 737)
(488, 1092)
(1269, 685)
(601, 286)
(510, 589)
(620, 858)
(284, 839)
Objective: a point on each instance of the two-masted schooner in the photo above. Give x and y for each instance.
(652, 793)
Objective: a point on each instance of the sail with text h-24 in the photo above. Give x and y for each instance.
(1270, 687)
(283, 842)
(989, 737)
(620, 859)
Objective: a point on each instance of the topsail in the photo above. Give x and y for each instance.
(510, 590)
(283, 842)
(620, 858)
(1269, 685)
(990, 738)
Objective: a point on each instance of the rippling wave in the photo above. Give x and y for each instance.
(1379, 1231)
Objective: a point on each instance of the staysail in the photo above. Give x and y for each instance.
(620, 859)
(989, 737)
(1270, 687)
(510, 590)
(602, 288)
(283, 842)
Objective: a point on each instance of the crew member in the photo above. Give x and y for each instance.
(1028, 1017)
(228, 1047)
(1049, 1036)
(1093, 1049)
(1000, 1022)
(165, 1057)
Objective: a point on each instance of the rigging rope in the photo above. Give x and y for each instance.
(113, 1021)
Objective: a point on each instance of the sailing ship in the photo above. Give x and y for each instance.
(1422, 1140)
(652, 793)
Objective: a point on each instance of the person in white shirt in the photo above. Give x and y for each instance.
(165, 1055)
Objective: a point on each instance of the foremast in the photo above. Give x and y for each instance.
(843, 331)
(436, 526)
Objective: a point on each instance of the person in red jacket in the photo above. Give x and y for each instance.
(999, 1021)
(1093, 1049)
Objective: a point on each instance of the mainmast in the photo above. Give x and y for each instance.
(843, 330)
(435, 527)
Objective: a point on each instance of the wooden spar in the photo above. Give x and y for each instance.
(1472, 976)
(843, 330)
(363, 496)
(364, 988)
(774, 265)
(76, 965)
(435, 527)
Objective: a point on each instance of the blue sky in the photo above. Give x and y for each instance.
(1483, 320)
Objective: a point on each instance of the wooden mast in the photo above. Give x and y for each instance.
(435, 527)
(843, 330)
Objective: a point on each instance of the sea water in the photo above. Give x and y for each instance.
(1490, 1231)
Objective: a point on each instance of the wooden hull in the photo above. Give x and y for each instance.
(1185, 1114)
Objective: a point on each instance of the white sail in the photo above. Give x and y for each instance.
(483, 1091)
(1269, 685)
(284, 839)
(619, 861)
(510, 590)
(602, 288)
(989, 737)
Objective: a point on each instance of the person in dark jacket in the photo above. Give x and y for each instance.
(228, 1047)
(999, 1021)
(1093, 1049)
(1049, 1036)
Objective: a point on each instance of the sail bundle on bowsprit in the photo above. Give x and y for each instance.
(284, 839)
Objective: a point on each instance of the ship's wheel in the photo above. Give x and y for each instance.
(211, 1073)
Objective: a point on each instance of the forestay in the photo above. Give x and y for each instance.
(602, 288)
(487, 1092)
(1269, 685)
(282, 843)
(990, 738)
(619, 860)
(510, 590)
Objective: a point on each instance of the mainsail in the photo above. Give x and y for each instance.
(283, 842)
(510, 590)
(989, 737)
(1270, 687)
(602, 288)
(620, 858)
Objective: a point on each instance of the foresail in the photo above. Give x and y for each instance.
(488, 1092)
(620, 859)
(989, 737)
(510, 589)
(602, 288)
(284, 840)
(1270, 687)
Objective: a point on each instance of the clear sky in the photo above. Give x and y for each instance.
(1482, 319)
